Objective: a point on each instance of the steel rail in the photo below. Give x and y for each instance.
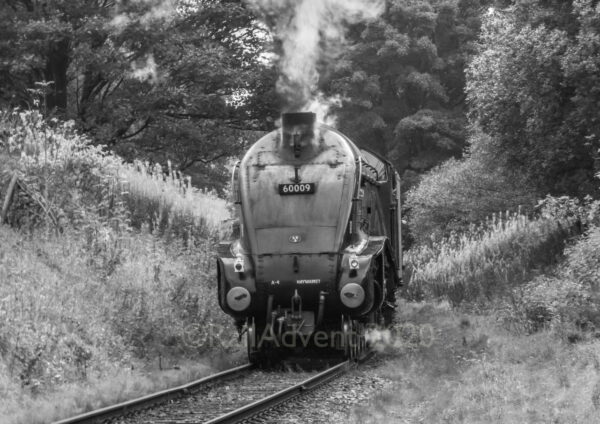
(262, 405)
(151, 399)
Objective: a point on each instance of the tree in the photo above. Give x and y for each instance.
(402, 81)
(532, 87)
(581, 67)
(177, 80)
(458, 193)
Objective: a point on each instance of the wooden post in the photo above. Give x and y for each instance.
(8, 198)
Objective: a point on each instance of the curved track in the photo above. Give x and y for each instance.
(120, 409)
(227, 397)
(268, 402)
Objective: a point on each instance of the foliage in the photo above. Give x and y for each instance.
(402, 81)
(66, 318)
(468, 369)
(583, 259)
(71, 183)
(160, 80)
(502, 259)
(98, 296)
(169, 205)
(572, 294)
(487, 260)
(66, 179)
(531, 89)
(568, 299)
(586, 211)
(458, 193)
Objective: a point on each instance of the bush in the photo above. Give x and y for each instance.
(572, 296)
(169, 205)
(123, 281)
(583, 260)
(457, 193)
(63, 319)
(67, 181)
(488, 259)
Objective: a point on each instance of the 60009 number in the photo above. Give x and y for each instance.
(300, 188)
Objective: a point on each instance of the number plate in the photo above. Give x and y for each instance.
(300, 188)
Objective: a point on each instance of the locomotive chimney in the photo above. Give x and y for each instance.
(297, 130)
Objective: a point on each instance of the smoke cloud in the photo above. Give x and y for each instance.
(321, 106)
(311, 33)
(401, 336)
(148, 12)
(146, 71)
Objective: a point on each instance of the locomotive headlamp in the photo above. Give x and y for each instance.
(238, 265)
(354, 263)
(352, 295)
(238, 298)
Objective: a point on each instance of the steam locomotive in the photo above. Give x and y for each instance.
(318, 254)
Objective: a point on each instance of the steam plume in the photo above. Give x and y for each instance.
(312, 35)
(153, 11)
(145, 72)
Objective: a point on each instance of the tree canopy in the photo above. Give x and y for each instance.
(194, 81)
(178, 79)
(402, 80)
(189, 80)
(533, 87)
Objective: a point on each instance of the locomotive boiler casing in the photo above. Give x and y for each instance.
(303, 248)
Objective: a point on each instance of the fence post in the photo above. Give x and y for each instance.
(8, 198)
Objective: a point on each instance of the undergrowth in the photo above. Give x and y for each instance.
(488, 259)
(70, 315)
(169, 204)
(532, 273)
(469, 369)
(66, 181)
(108, 270)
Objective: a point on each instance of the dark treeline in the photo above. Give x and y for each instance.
(157, 79)
(503, 94)
(532, 90)
(405, 76)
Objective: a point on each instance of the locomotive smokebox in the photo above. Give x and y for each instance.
(298, 130)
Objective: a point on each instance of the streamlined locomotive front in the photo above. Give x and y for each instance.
(299, 261)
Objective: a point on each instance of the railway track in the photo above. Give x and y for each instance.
(231, 396)
(148, 401)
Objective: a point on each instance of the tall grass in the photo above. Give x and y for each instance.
(487, 259)
(70, 178)
(474, 371)
(65, 321)
(110, 271)
(169, 204)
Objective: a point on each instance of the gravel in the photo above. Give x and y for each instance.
(216, 399)
(334, 402)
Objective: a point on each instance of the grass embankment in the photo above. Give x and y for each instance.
(496, 339)
(70, 182)
(475, 371)
(74, 338)
(487, 260)
(169, 204)
(107, 284)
